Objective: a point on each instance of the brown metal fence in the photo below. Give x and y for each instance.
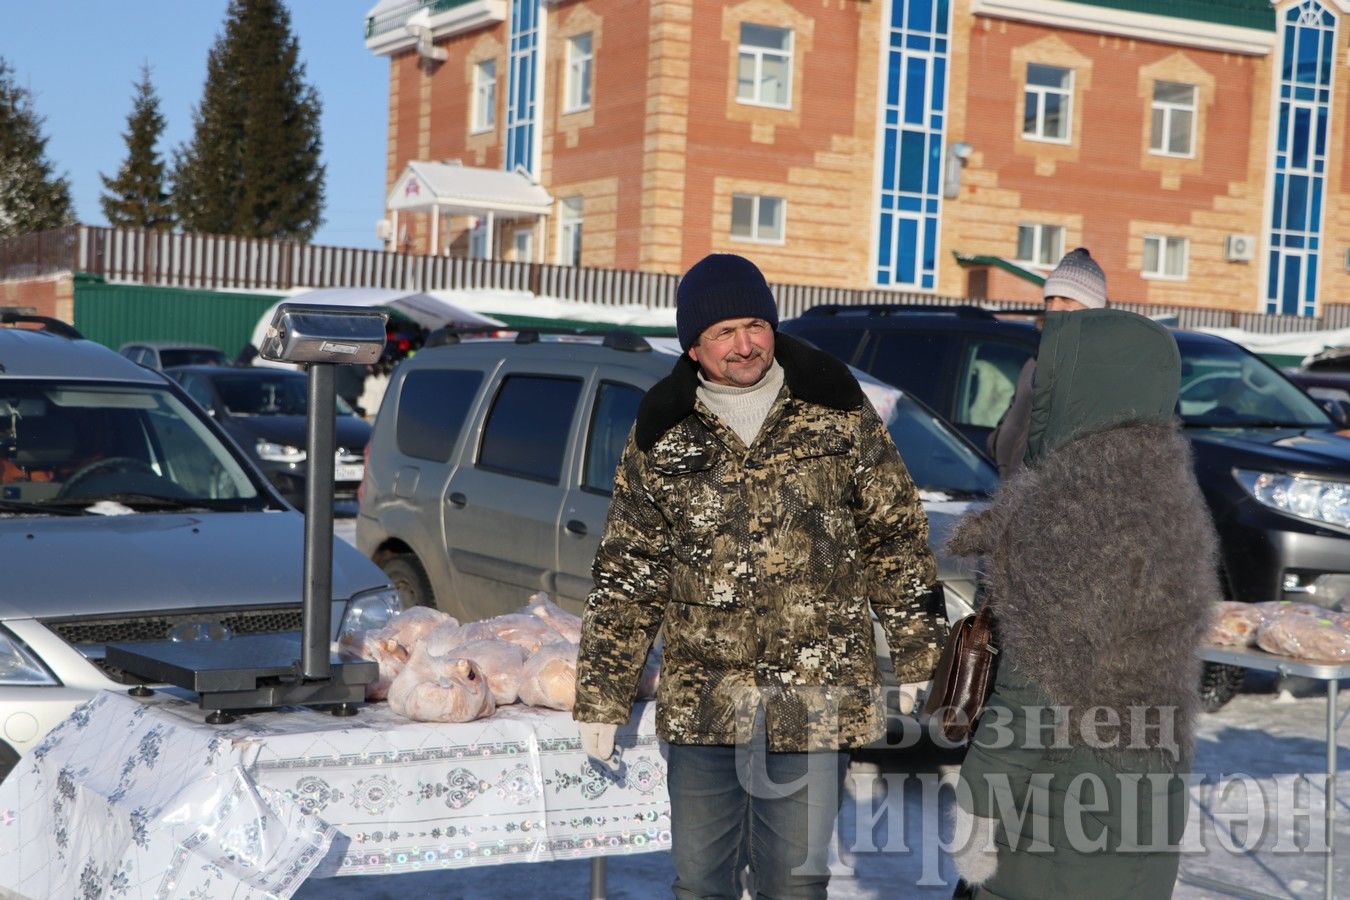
(208, 261)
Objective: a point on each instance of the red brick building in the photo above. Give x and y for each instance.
(1196, 146)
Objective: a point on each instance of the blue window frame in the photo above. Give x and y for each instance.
(520, 92)
(914, 83)
(1307, 50)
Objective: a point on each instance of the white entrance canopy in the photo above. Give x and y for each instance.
(442, 188)
(427, 310)
(467, 190)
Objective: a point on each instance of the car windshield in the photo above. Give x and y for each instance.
(1225, 386)
(261, 393)
(73, 443)
(939, 460)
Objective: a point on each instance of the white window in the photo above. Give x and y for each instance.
(1040, 245)
(524, 244)
(485, 95)
(569, 232)
(1173, 118)
(578, 91)
(764, 66)
(756, 218)
(1049, 94)
(1165, 257)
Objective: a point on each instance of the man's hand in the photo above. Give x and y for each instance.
(597, 740)
(909, 695)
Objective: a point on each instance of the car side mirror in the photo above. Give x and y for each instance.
(1338, 409)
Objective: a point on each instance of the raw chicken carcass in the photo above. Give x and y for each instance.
(502, 664)
(1303, 637)
(441, 689)
(526, 631)
(550, 677)
(390, 646)
(1235, 624)
(560, 620)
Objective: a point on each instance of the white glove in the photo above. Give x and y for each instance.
(909, 695)
(597, 739)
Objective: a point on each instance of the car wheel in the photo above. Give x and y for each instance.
(1219, 683)
(410, 579)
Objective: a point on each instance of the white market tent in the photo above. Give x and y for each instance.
(425, 308)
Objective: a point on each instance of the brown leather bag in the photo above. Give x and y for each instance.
(964, 677)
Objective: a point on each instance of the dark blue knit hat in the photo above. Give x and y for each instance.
(721, 286)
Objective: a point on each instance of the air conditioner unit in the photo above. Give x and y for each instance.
(384, 229)
(1239, 247)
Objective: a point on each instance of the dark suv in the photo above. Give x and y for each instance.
(1273, 465)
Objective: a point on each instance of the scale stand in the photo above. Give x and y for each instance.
(264, 671)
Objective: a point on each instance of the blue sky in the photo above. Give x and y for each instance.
(81, 59)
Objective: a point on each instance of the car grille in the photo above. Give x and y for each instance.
(82, 633)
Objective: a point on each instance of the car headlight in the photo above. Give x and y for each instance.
(19, 665)
(1297, 495)
(370, 610)
(283, 453)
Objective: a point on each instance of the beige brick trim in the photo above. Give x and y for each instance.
(579, 20)
(764, 120)
(1051, 50)
(667, 120)
(1180, 68)
(478, 144)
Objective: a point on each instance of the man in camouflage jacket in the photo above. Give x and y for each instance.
(759, 546)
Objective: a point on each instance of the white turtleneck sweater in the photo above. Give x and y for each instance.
(742, 409)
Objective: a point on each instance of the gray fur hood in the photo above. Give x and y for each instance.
(1100, 565)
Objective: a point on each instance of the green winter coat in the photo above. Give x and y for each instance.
(1100, 561)
(763, 564)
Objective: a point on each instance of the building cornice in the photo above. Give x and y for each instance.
(1122, 23)
(451, 20)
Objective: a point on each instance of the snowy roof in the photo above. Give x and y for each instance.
(452, 187)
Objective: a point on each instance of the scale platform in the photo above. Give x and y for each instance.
(252, 671)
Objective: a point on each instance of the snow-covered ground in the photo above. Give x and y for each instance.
(1265, 745)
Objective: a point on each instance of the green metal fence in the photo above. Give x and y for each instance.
(114, 314)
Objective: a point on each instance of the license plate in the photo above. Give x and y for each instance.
(348, 472)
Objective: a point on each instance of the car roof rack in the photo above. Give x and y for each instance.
(614, 338)
(962, 310)
(55, 326)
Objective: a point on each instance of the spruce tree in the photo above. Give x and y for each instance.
(32, 198)
(136, 197)
(252, 167)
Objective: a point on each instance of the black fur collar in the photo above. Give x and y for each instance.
(811, 375)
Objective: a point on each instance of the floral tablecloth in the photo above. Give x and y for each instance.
(140, 798)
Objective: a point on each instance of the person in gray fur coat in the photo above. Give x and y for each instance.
(1100, 567)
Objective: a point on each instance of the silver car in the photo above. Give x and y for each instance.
(126, 514)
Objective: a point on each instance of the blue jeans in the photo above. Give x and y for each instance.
(730, 805)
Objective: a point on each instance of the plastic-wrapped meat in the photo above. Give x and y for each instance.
(441, 689)
(541, 606)
(1303, 637)
(1278, 609)
(526, 631)
(442, 639)
(502, 664)
(390, 646)
(550, 677)
(1235, 624)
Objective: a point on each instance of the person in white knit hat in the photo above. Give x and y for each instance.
(1077, 283)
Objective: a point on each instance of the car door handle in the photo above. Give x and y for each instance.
(457, 499)
(576, 526)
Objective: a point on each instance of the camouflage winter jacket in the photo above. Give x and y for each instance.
(761, 563)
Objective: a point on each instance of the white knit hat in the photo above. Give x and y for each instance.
(1077, 277)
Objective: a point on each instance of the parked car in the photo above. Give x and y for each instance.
(127, 514)
(163, 354)
(1326, 378)
(1272, 464)
(492, 463)
(264, 410)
